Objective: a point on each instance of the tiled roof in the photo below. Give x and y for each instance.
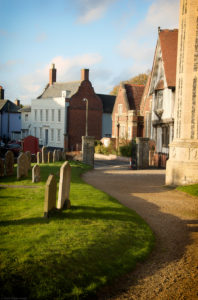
(25, 109)
(134, 94)
(168, 41)
(108, 102)
(6, 105)
(55, 90)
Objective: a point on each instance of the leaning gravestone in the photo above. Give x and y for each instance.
(36, 174)
(1, 167)
(39, 158)
(22, 165)
(63, 155)
(50, 195)
(55, 156)
(9, 163)
(50, 157)
(44, 155)
(28, 153)
(64, 186)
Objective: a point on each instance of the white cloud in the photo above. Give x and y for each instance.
(139, 44)
(91, 10)
(68, 69)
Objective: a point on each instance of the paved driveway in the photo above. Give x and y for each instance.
(171, 271)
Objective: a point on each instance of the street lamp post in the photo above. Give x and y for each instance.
(86, 122)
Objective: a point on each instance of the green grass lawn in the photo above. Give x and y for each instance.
(74, 252)
(189, 189)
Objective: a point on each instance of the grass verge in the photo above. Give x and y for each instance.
(189, 189)
(74, 252)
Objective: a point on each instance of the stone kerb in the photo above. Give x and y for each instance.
(50, 195)
(1, 167)
(49, 157)
(44, 155)
(64, 186)
(28, 153)
(36, 173)
(9, 163)
(22, 166)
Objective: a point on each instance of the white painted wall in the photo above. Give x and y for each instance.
(54, 128)
(26, 124)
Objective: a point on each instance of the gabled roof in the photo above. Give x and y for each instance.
(55, 90)
(134, 94)
(108, 102)
(7, 105)
(168, 41)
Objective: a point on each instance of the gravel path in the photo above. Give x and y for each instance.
(171, 271)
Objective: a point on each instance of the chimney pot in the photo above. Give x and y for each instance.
(52, 74)
(17, 102)
(85, 74)
(1, 93)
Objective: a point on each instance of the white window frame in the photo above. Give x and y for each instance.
(52, 134)
(59, 115)
(41, 115)
(35, 114)
(52, 115)
(35, 131)
(58, 135)
(47, 115)
(26, 117)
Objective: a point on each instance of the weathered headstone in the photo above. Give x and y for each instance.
(33, 158)
(142, 153)
(55, 158)
(64, 186)
(28, 153)
(59, 155)
(39, 158)
(36, 173)
(44, 155)
(50, 157)
(9, 163)
(50, 195)
(63, 155)
(1, 167)
(22, 165)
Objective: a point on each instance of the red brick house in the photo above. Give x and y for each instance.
(59, 113)
(126, 120)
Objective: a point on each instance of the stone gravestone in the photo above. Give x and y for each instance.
(9, 163)
(63, 155)
(39, 158)
(50, 157)
(88, 150)
(44, 155)
(1, 167)
(36, 173)
(50, 195)
(64, 186)
(28, 153)
(22, 165)
(59, 155)
(55, 156)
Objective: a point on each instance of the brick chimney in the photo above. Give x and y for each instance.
(85, 74)
(1, 93)
(17, 102)
(52, 74)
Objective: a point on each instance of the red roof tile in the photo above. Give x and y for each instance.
(168, 41)
(134, 95)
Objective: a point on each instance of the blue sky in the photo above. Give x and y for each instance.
(114, 39)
